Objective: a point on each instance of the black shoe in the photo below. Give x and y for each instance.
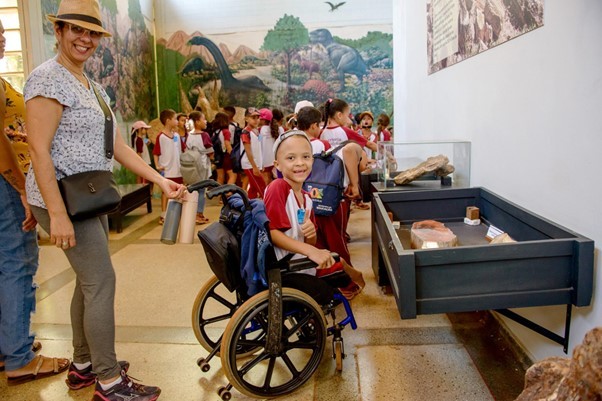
(126, 390)
(78, 379)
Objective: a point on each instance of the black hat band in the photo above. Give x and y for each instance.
(80, 17)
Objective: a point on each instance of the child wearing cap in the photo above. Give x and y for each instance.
(251, 154)
(289, 209)
(366, 119)
(140, 144)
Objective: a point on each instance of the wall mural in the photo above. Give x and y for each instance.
(124, 63)
(293, 63)
(459, 29)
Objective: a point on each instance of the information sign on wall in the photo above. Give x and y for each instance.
(459, 29)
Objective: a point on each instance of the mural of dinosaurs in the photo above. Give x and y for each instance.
(229, 82)
(345, 59)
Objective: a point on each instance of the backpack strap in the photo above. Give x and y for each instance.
(332, 151)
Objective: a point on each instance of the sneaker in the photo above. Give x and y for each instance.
(78, 379)
(126, 390)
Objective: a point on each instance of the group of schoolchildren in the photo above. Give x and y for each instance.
(275, 164)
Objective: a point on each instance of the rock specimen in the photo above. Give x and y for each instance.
(563, 379)
(503, 238)
(428, 234)
(439, 165)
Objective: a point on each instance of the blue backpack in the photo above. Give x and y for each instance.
(237, 153)
(325, 183)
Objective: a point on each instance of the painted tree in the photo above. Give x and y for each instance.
(287, 37)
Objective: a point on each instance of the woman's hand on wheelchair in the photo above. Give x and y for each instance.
(321, 257)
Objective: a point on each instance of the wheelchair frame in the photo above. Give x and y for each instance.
(265, 328)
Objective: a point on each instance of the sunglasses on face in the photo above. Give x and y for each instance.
(79, 31)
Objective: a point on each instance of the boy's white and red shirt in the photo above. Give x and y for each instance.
(281, 206)
(336, 134)
(251, 137)
(318, 145)
(169, 150)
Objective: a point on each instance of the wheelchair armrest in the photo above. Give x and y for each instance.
(295, 265)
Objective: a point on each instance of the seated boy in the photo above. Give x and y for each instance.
(289, 209)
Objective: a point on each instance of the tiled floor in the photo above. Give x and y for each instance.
(387, 358)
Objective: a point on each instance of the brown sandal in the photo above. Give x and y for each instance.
(58, 365)
(35, 347)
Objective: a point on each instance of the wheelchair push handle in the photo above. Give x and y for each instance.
(229, 188)
(295, 265)
(202, 184)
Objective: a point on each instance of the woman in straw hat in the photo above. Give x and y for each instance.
(66, 123)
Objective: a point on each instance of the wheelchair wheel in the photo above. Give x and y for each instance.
(303, 340)
(338, 354)
(212, 309)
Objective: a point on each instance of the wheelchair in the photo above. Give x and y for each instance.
(272, 342)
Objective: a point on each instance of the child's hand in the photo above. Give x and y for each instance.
(322, 257)
(256, 171)
(352, 191)
(308, 229)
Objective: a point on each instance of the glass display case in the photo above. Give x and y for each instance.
(394, 157)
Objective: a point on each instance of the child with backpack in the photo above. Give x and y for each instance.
(222, 147)
(289, 209)
(199, 141)
(251, 154)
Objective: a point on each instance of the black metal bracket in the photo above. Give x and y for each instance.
(564, 341)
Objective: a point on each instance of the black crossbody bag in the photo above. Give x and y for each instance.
(92, 193)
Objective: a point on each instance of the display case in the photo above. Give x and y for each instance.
(394, 157)
(547, 265)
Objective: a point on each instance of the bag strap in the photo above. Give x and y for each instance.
(334, 150)
(108, 122)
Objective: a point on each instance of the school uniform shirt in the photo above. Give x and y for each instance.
(267, 145)
(249, 136)
(201, 141)
(281, 207)
(337, 134)
(142, 149)
(385, 135)
(169, 151)
(318, 145)
(371, 138)
(346, 176)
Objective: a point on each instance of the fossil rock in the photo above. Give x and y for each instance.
(563, 379)
(437, 164)
(432, 234)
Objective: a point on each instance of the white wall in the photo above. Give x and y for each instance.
(532, 109)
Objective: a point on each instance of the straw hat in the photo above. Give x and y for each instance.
(84, 13)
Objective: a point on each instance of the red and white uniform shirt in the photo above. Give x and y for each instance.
(281, 207)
